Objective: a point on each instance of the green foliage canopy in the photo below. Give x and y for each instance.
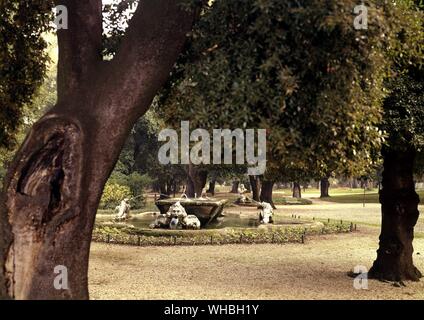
(404, 107)
(296, 68)
(23, 60)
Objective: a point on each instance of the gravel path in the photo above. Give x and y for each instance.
(315, 270)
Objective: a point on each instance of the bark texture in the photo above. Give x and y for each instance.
(54, 185)
(196, 181)
(211, 188)
(399, 208)
(255, 184)
(297, 191)
(266, 192)
(234, 187)
(324, 187)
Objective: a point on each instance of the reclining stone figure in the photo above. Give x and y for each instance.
(162, 221)
(191, 222)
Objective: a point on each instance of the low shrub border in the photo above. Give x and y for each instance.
(122, 234)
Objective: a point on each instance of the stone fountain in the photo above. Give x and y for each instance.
(205, 209)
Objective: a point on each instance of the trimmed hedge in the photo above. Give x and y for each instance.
(121, 234)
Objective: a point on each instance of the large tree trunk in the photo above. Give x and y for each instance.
(266, 192)
(364, 183)
(234, 187)
(255, 184)
(53, 187)
(174, 187)
(325, 186)
(399, 208)
(196, 181)
(212, 183)
(297, 191)
(189, 189)
(211, 188)
(163, 189)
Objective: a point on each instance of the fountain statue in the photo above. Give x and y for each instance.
(176, 211)
(175, 224)
(265, 216)
(176, 218)
(241, 189)
(161, 221)
(206, 210)
(123, 210)
(191, 222)
(243, 199)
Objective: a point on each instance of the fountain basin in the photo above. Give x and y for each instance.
(206, 210)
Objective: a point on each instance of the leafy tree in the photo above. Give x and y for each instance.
(402, 154)
(23, 60)
(135, 182)
(296, 68)
(299, 69)
(113, 194)
(164, 178)
(43, 99)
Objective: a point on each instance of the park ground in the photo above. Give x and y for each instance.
(317, 269)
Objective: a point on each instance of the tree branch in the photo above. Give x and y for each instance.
(155, 36)
(80, 45)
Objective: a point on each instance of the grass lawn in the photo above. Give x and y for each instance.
(370, 196)
(354, 196)
(280, 196)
